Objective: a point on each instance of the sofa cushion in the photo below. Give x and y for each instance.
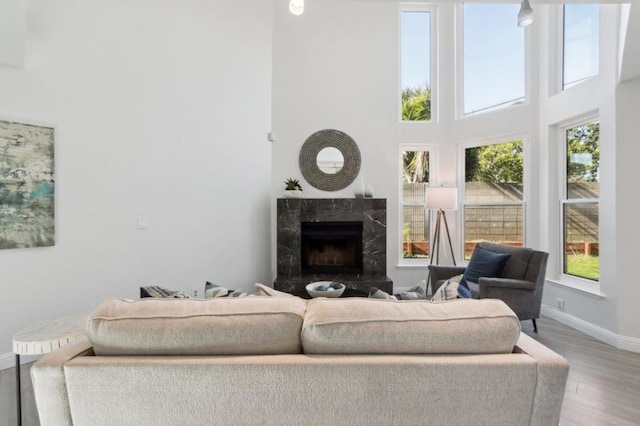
(374, 326)
(228, 326)
(484, 263)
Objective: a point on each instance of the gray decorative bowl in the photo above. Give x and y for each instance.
(325, 289)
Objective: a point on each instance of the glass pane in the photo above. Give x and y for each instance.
(581, 42)
(493, 57)
(499, 224)
(493, 173)
(415, 224)
(581, 240)
(415, 232)
(416, 65)
(583, 161)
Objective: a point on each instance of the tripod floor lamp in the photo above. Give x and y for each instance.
(441, 199)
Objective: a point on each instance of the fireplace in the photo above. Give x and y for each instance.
(332, 239)
(331, 247)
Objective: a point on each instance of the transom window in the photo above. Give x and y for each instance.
(493, 57)
(581, 38)
(416, 46)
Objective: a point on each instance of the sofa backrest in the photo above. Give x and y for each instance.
(229, 326)
(374, 326)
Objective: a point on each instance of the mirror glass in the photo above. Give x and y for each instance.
(330, 160)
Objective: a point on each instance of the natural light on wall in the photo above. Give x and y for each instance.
(581, 43)
(493, 56)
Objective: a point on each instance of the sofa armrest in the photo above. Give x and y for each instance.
(443, 272)
(553, 371)
(49, 384)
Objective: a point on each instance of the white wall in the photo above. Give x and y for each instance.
(606, 311)
(13, 31)
(627, 230)
(337, 66)
(161, 109)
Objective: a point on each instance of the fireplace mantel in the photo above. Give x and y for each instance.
(371, 212)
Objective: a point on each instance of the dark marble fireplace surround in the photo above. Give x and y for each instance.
(370, 212)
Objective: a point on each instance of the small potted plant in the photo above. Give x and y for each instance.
(293, 188)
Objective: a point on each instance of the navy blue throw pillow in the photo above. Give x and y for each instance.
(484, 263)
(463, 292)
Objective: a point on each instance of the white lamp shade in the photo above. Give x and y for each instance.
(442, 198)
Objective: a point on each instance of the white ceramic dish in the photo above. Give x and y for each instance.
(313, 290)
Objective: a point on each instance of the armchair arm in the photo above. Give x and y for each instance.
(519, 295)
(506, 283)
(443, 272)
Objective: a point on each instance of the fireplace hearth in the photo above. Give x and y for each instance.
(332, 239)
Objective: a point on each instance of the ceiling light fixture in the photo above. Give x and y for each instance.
(525, 17)
(296, 7)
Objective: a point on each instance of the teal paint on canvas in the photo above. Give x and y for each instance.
(26, 186)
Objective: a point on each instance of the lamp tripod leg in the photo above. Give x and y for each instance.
(446, 227)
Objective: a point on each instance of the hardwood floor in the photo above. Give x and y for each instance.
(603, 386)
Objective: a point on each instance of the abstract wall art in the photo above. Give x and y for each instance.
(26, 185)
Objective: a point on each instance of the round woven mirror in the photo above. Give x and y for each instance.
(310, 164)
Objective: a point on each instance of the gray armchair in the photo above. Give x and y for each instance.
(520, 286)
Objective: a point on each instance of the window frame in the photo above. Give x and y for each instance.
(580, 283)
(433, 10)
(414, 263)
(525, 184)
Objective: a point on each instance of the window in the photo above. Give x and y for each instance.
(581, 43)
(493, 195)
(415, 222)
(493, 57)
(580, 206)
(415, 64)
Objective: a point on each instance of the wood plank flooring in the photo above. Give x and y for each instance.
(603, 386)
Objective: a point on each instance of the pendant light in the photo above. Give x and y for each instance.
(525, 17)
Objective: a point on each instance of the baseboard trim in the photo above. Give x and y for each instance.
(8, 360)
(626, 343)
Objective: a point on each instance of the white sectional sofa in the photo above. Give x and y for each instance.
(286, 361)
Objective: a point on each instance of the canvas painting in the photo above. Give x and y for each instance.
(26, 185)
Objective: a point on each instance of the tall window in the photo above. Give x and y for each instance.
(415, 224)
(415, 25)
(493, 55)
(580, 207)
(493, 195)
(581, 43)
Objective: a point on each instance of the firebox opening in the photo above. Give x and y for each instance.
(331, 247)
